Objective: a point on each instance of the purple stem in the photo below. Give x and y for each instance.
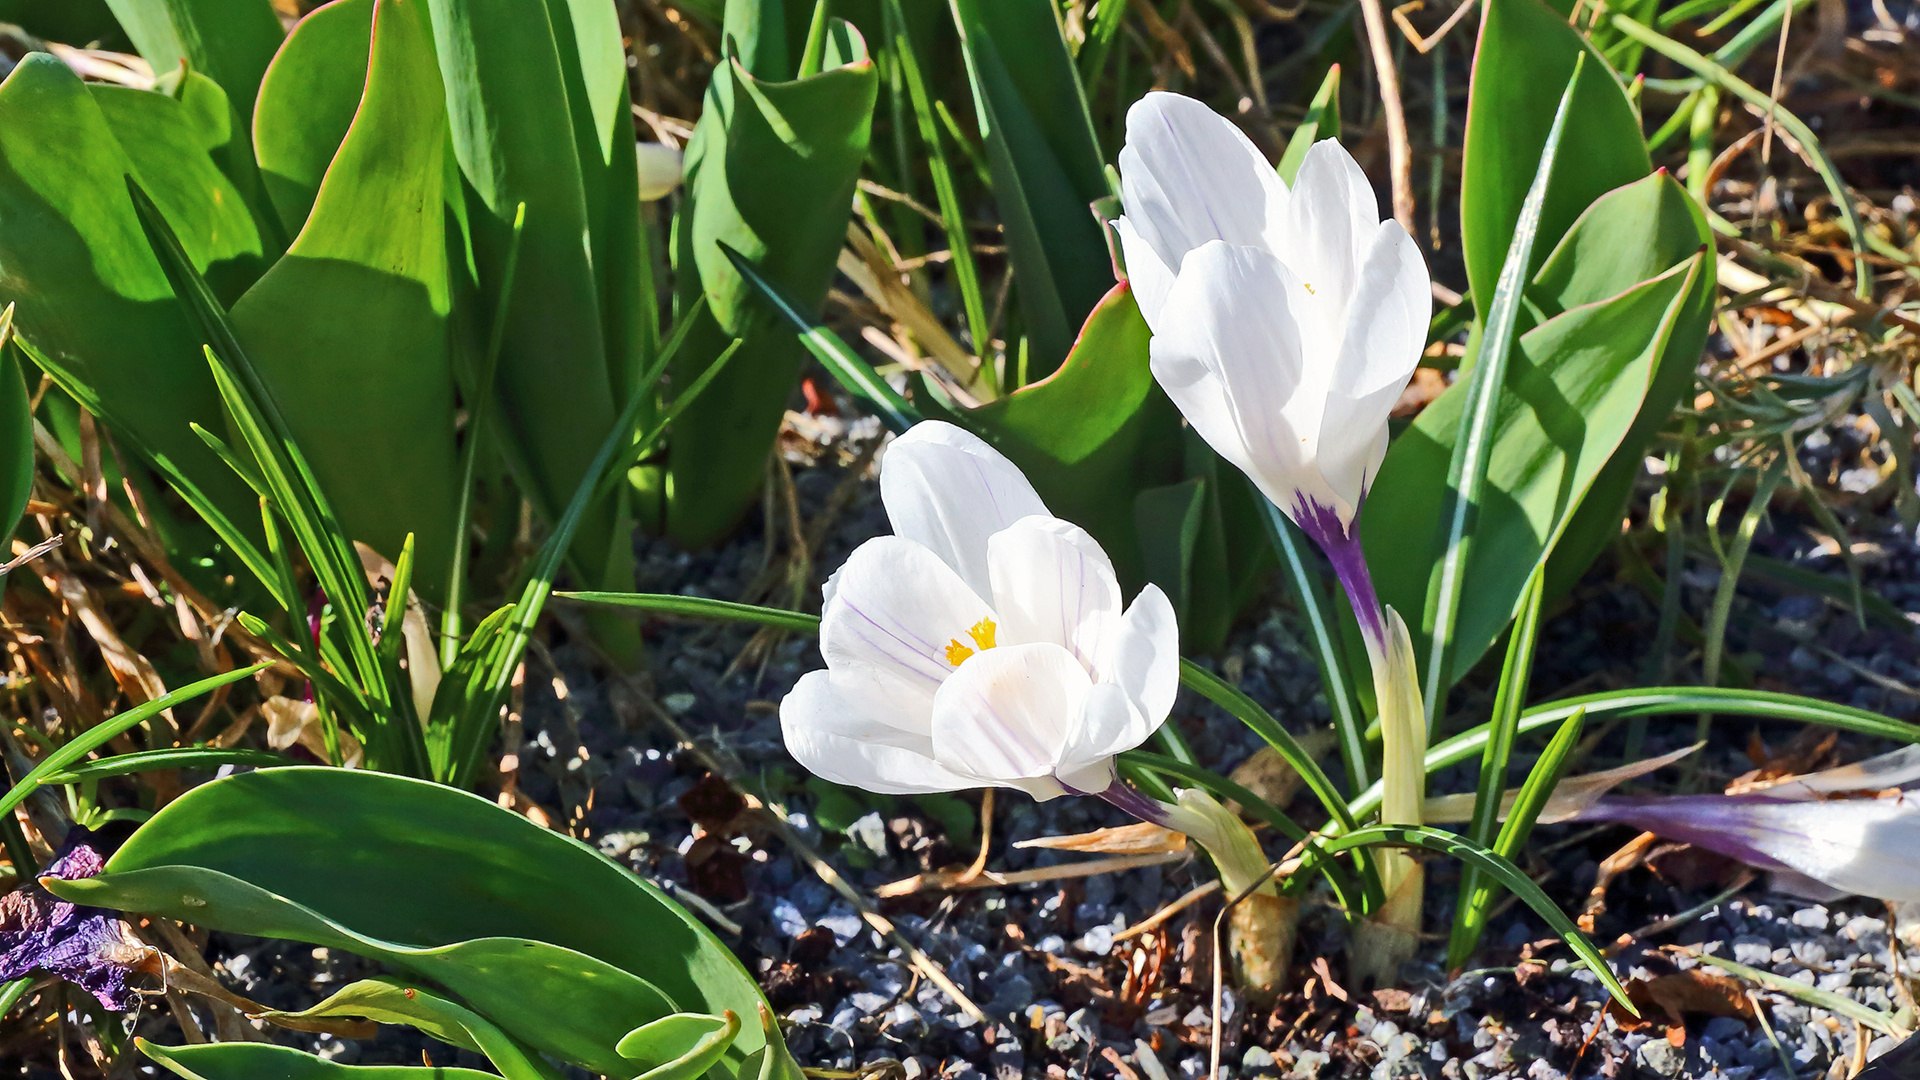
(1151, 811)
(1342, 548)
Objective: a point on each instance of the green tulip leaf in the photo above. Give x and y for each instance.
(1046, 165)
(94, 303)
(419, 873)
(391, 1001)
(514, 138)
(307, 100)
(1524, 46)
(1573, 390)
(253, 1061)
(230, 41)
(770, 174)
(1628, 235)
(349, 329)
(682, 1046)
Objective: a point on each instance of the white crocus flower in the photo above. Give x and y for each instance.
(983, 644)
(1286, 322)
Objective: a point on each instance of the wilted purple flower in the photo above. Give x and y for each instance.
(87, 946)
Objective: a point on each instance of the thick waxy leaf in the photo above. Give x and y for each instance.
(93, 300)
(681, 1046)
(1093, 431)
(391, 1001)
(1628, 235)
(771, 171)
(252, 1061)
(401, 860)
(513, 135)
(1046, 165)
(1526, 46)
(309, 96)
(349, 329)
(231, 41)
(1574, 386)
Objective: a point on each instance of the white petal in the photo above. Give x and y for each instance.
(1331, 218)
(1148, 277)
(1188, 175)
(1053, 583)
(837, 725)
(1386, 329)
(1006, 713)
(1232, 362)
(895, 608)
(947, 490)
(1108, 724)
(1141, 655)
(659, 170)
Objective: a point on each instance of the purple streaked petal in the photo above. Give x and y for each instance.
(895, 609)
(1341, 543)
(1865, 846)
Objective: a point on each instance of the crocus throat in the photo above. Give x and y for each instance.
(1342, 547)
(982, 634)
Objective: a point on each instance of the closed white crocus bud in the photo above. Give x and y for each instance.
(983, 644)
(660, 167)
(1286, 322)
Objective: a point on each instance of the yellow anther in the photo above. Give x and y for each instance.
(982, 634)
(1309, 286)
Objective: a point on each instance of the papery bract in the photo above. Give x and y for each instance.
(984, 644)
(1286, 322)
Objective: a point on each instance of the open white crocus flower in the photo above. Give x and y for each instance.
(1286, 322)
(983, 644)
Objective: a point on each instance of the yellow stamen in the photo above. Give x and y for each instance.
(982, 634)
(1309, 286)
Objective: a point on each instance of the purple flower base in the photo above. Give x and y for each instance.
(87, 946)
(1342, 548)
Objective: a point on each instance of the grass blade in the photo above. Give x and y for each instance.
(1730, 566)
(841, 362)
(181, 757)
(97, 736)
(1500, 870)
(1467, 476)
(1512, 694)
(699, 607)
(1664, 701)
(1711, 70)
(1476, 893)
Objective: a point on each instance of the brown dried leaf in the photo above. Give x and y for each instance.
(1140, 838)
(1674, 995)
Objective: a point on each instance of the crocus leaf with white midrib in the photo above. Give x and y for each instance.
(985, 644)
(1286, 321)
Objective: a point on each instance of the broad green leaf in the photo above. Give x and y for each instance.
(682, 1046)
(1046, 165)
(171, 142)
(349, 328)
(392, 1001)
(230, 41)
(1526, 46)
(770, 173)
(256, 1061)
(513, 136)
(1094, 432)
(1167, 520)
(408, 861)
(94, 303)
(1574, 386)
(593, 64)
(307, 99)
(1628, 235)
(75, 21)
